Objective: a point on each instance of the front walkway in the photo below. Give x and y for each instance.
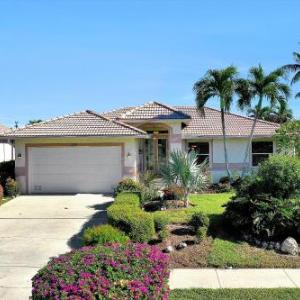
(234, 278)
(34, 228)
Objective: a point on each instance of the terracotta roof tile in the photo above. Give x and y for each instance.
(3, 129)
(209, 124)
(87, 123)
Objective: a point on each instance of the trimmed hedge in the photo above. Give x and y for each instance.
(125, 213)
(103, 234)
(131, 271)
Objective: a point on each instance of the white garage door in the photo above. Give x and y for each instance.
(78, 169)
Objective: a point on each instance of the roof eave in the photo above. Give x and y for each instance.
(191, 136)
(74, 136)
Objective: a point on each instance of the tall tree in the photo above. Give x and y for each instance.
(263, 113)
(261, 87)
(294, 68)
(219, 84)
(281, 113)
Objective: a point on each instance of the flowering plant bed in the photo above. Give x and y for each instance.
(131, 271)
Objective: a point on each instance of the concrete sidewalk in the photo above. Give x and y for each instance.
(234, 278)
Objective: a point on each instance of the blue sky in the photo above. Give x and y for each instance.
(58, 57)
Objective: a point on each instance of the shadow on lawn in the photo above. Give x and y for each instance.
(99, 217)
(219, 228)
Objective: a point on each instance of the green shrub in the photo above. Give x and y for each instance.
(7, 170)
(131, 199)
(264, 217)
(127, 185)
(125, 213)
(201, 233)
(11, 187)
(280, 176)
(102, 234)
(163, 234)
(160, 222)
(198, 220)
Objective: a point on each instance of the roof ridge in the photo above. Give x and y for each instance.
(132, 110)
(116, 121)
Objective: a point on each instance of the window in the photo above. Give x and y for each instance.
(261, 151)
(202, 150)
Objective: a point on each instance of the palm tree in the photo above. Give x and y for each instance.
(221, 84)
(294, 68)
(260, 86)
(263, 113)
(282, 113)
(183, 170)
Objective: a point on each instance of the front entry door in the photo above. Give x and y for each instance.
(155, 153)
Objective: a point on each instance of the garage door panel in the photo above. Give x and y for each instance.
(79, 169)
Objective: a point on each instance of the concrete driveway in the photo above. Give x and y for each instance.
(35, 228)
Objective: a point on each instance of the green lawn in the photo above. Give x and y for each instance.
(236, 294)
(225, 253)
(210, 204)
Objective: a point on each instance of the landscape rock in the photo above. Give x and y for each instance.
(169, 249)
(264, 245)
(290, 246)
(277, 246)
(181, 245)
(257, 242)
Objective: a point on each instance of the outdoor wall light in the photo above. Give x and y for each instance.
(19, 155)
(128, 154)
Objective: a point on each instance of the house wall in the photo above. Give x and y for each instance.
(175, 136)
(236, 148)
(6, 152)
(130, 153)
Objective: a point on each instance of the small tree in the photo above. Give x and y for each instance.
(288, 138)
(183, 170)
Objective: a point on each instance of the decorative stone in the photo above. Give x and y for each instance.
(290, 246)
(163, 208)
(181, 245)
(257, 242)
(169, 249)
(264, 245)
(277, 246)
(271, 246)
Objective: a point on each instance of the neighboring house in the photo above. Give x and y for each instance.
(6, 149)
(87, 152)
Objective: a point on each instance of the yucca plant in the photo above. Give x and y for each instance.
(183, 170)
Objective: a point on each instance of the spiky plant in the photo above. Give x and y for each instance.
(183, 170)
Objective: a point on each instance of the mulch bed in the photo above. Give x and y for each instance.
(194, 256)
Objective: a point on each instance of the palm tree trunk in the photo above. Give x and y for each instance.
(186, 198)
(224, 143)
(246, 163)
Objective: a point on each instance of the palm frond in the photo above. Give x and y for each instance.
(296, 77)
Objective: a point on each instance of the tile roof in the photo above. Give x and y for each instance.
(3, 129)
(149, 111)
(208, 124)
(86, 123)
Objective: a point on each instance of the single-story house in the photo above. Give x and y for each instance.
(89, 152)
(6, 149)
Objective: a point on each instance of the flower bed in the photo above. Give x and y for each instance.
(132, 271)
